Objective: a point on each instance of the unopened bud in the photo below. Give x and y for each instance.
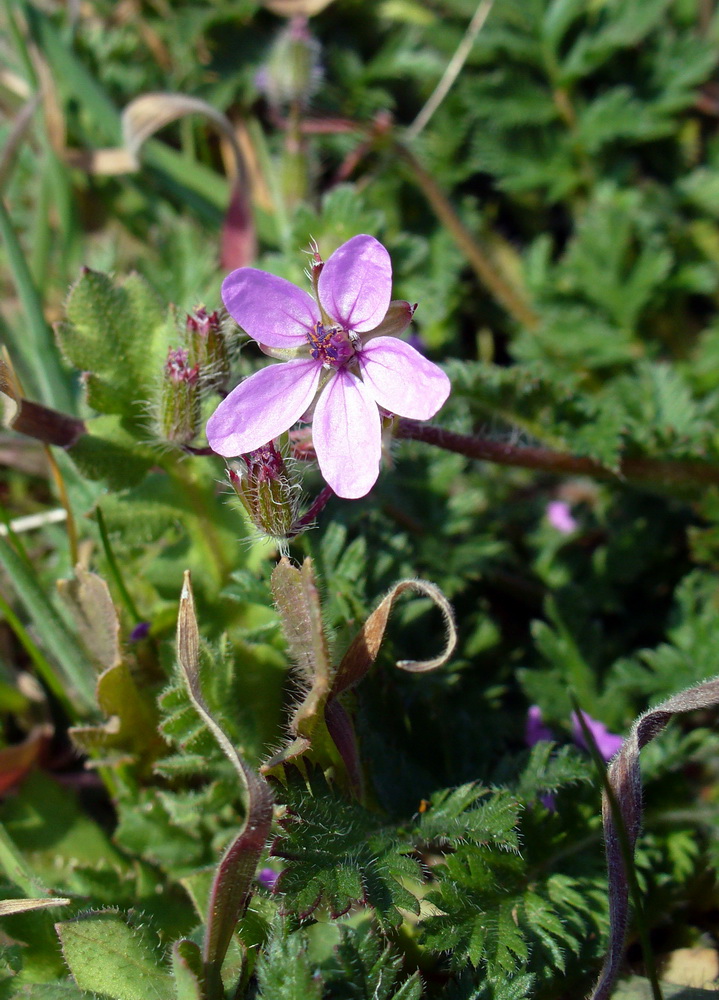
(180, 401)
(293, 72)
(267, 492)
(208, 348)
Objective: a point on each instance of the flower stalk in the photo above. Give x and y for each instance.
(557, 462)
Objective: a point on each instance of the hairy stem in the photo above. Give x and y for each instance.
(560, 463)
(317, 505)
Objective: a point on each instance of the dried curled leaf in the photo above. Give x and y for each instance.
(366, 645)
(320, 723)
(149, 113)
(233, 879)
(624, 779)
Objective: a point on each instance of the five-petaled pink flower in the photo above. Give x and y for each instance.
(346, 359)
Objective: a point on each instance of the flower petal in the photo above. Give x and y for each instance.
(271, 310)
(264, 405)
(347, 436)
(355, 285)
(402, 380)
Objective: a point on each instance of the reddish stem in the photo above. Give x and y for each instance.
(319, 504)
(558, 462)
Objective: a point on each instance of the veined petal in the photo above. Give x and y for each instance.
(263, 406)
(347, 436)
(272, 310)
(402, 380)
(355, 285)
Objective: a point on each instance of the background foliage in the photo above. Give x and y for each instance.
(557, 220)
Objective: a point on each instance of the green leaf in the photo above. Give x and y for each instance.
(370, 965)
(625, 25)
(105, 954)
(111, 452)
(471, 813)
(187, 970)
(48, 826)
(337, 854)
(285, 970)
(64, 648)
(118, 334)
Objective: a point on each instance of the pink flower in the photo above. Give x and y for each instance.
(535, 731)
(345, 359)
(608, 744)
(560, 517)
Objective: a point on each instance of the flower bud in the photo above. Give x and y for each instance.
(292, 72)
(180, 400)
(267, 492)
(208, 348)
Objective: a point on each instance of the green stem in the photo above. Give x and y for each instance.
(115, 569)
(42, 664)
(47, 379)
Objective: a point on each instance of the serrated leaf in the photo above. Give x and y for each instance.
(471, 813)
(114, 332)
(338, 854)
(105, 954)
(285, 970)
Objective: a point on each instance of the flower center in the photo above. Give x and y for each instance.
(331, 345)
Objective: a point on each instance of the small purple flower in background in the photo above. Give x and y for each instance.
(267, 878)
(535, 730)
(560, 517)
(608, 744)
(346, 361)
(140, 631)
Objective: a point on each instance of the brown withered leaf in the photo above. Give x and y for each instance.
(298, 604)
(130, 730)
(624, 779)
(320, 724)
(16, 760)
(88, 599)
(366, 645)
(8, 906)
(149, 113)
